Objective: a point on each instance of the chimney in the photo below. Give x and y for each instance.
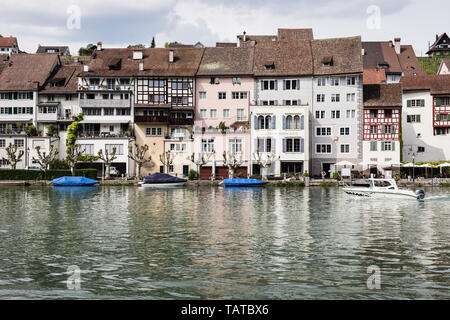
(99, 46)
(245, 36)
(86, 68)
(437, 37)
(138, 55)
(397, 45)
(171, 56)
(141, 65)
(363, 52)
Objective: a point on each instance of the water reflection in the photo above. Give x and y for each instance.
(243, 243)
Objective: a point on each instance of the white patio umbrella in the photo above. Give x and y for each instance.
(442, 165)
(345, 163)
(409, 165)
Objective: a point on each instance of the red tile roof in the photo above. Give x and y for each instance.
(437, 84)
(8, 42)
(374, 76)
(227, 61)
(67, 76)
(383, 95)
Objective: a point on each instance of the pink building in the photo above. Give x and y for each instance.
(225, 90)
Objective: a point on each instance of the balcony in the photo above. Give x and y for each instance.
(181, 121)
(127, 87)
(103, 103)
(151, 119)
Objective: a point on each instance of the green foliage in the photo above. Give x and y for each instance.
(431, 64)
(192, 175)
(86, 51)
(59, 165)
(306, 174)
(336, 176)
(31, 130)
(136, 46)
(52, 130)
(170, 44)
(6, 174)
(88, 158)
(328, 184)
(240, 175)
(153, 45)
(256, 176)
(72, 133)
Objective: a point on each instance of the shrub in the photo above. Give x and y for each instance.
(59, 165)
(240, 175)
(192, 175)
(8, 174)
(336, 176)
(256, 176)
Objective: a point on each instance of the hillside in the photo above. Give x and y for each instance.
(431, 64)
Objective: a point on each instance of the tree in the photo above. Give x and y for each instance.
(153, 45)
(74, 155)
(172, 44)
(12, 157)
(167, 160)
(87, 51)
(107, 158)
(202, 159)
(45, 160)
(231, 160)
(72, 132)
(266, 163)
(139, 157)
(136, 46)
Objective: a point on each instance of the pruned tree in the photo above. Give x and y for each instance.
(264, 162)
(45, 159)
(232, 161)
(12, 156)
(107, 159)
(153, 45)
(201, 160)
(167, 160)
(74, 154)
(138, 155)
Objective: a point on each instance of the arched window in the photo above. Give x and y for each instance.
(297, 122)
(289, 122)
(268, 122)
(261, 122)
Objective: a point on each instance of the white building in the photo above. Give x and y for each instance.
(8, 45)
(426, 118)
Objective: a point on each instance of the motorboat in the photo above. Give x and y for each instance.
(384, 188)
(74, 182)
(244, 183)
(162, 180)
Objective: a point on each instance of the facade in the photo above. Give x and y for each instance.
(225, 88)
(444, 68)
(336, 113)
(441, 46)
(8, 45)
(381, 126)
(59, 50)
(426, 118)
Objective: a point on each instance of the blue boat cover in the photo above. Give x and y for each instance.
(243, 182)
(162, 178)
(74, 181)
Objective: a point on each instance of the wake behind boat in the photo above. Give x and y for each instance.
(384, 188)
(162, 180)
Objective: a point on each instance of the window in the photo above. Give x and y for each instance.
(123, 112)
(202, 95)
(387, 129)
(239, 95)
(110, 148)
(87, 149)
(320, 114)
(373, 114)
(335, 114)
(345, 148)
(415, 103)
(293, 145)
(387, 146)
(222, 95)
(94, 82)
(2, 143)
(335, 82)
(373, 129)
(345, 131)
(335, 98)
(291, 84)
(214, 81)
(421, 149)
(413, 118)
(226, 113)
(323, 148)
(156, 83)
(108, 111)
(320, 131)
(178, 147)
(68, 97)
(269, 85)
(321, 82)
(289, 122)
(208, 145)
(124, 96)
(351, 81)
(240, 115)
(320, 98)
(373, 145)
(388, 113)
(351, 97)
(353, 113)
(203, 113)
(156, 132)
(92, 111)
(213, 113)
(236, 81)
(235, 145)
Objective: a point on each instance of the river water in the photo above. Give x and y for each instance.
(214, 243)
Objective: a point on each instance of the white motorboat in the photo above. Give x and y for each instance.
(384, 188)
(161, 180)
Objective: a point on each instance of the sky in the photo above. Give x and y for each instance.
(119, 23)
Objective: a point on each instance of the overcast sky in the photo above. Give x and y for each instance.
(120, 23)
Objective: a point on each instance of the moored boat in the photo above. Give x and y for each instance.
(74, 182)
(244, 183)
(384, 188)
(162, 180)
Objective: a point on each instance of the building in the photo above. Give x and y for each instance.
(381, 127)
(165, 99)
(8, 45)
(441, 46)
(395, 59)
(225, 89)
(21, 80)
(426, 119)
(444, 68)
(336, 113)
(60, 50)
(289, 35)
(283, 73)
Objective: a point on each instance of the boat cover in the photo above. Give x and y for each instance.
(243, 182)
(157, 178)
(74, 181)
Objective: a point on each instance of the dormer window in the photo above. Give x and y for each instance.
(269, 65)
(115, 64)
(327, 61)
(215, 81)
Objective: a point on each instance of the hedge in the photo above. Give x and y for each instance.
(8, 174)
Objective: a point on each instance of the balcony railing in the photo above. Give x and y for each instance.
(47, 117)
(127, 87)
(151, 119)
(101, 103)
(182, 121)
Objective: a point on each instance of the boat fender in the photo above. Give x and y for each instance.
(420, 194)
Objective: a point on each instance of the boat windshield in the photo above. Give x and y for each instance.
(383, 184)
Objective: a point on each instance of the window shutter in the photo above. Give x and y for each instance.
(408, 118)
(274, 122)
(438, 102)
(284, 84)
(276, 85)
(256, 123)
(422, 103)
(299, 102)
(408, 103)
(302, 145)
(302, 123)
(284, 145)
(393, 145)
(284, 102)
(274, 149)
(31, 110)
(262, 85)
(382, 146)
(418, 118)
(298, 84)
(284, 122)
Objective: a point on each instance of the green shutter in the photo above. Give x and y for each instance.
(15, 110)
(418, 118)
(437, 117)
(422, 103)
(382, 146)
(408, 119)
(409, 103)
(393, 145)
(438, 102)
(31, 110)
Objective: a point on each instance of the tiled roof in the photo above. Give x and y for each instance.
(409, 63)
(60, 49)
(295, 34)
(287, 58)
(227, 61)
(226, 44)
(383, 95)
(23, 70)
(156, 62)
(437, 84)
(345, 54)
(374, 76)
(8, 42)
(67, 76)
(438, 40)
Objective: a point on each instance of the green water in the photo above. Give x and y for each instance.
(214, 243)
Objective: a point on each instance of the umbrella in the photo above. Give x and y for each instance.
(409, 165)
(444, 165)
(426, 165)
(345, 163)
(391, 164)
